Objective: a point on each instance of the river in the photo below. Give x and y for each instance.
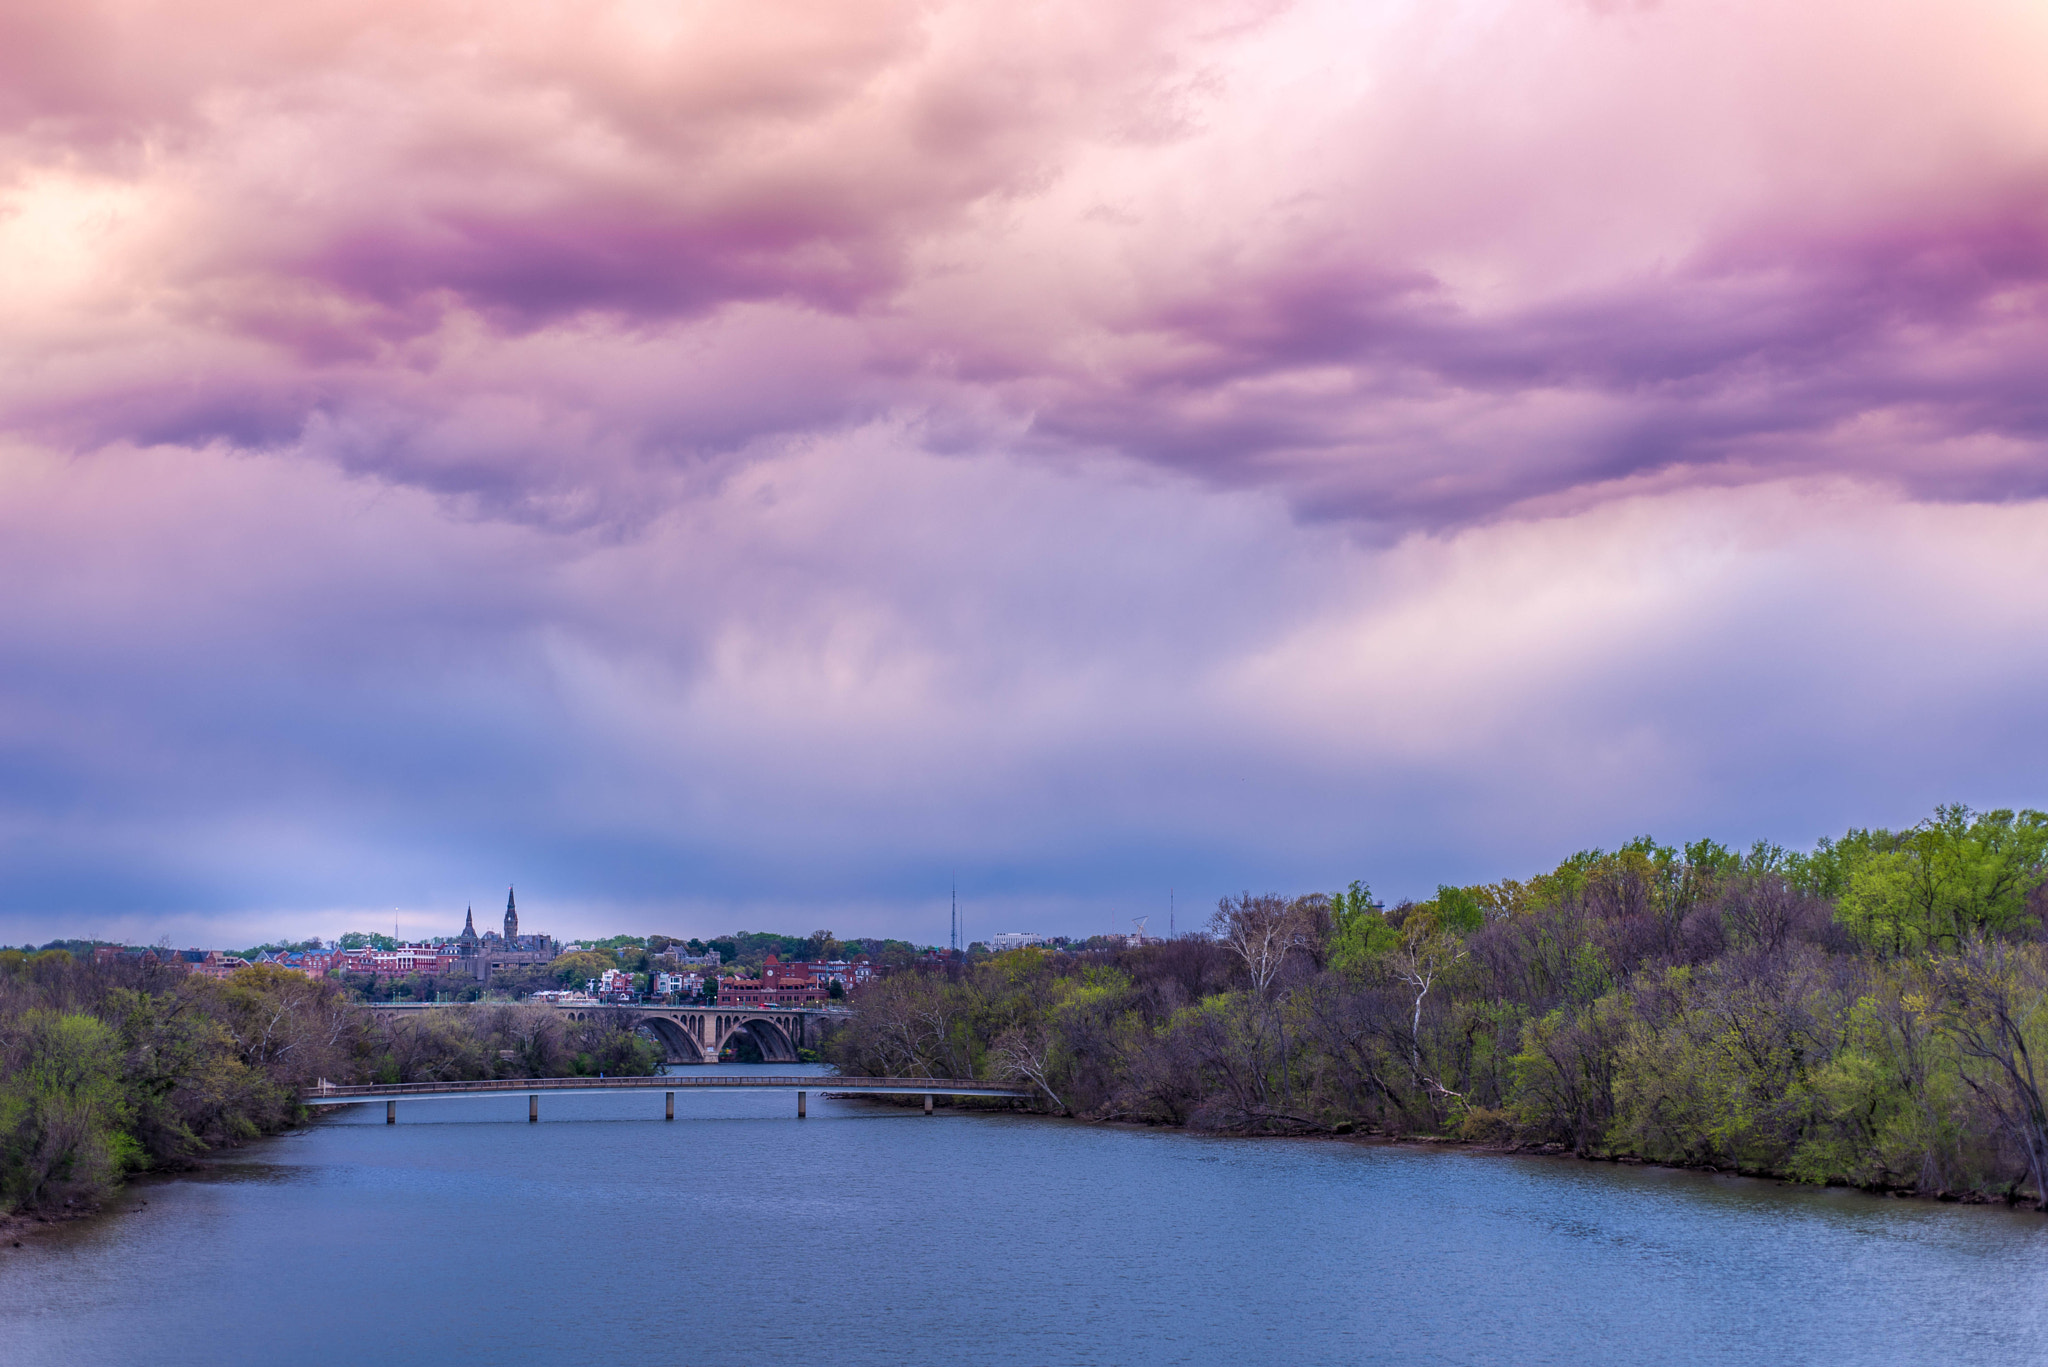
(865, 1235)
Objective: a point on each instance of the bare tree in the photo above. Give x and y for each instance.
(1424, 954)
(1262, 931)
(908, 1027)
(1995, 1000)
(1025, 1055)
(535, 1035)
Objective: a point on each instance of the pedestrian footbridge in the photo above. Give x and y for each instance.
(338, 1094)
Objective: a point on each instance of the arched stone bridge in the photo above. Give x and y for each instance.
(699, 1034)
(695, 1034)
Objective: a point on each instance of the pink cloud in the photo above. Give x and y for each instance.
(1342, 251)
(1351, 421)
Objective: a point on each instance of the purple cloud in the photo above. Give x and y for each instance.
(730, 464)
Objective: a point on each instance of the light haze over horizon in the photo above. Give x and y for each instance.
(743, 467)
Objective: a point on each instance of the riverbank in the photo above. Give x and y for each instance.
(880, 1232)
(112, 1070)
(18, 1227)
(1556, 1151)
(1702, 1012)
(1452, 1143)
(132, 1197)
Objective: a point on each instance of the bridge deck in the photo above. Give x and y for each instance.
(333, 1094)
(699, 1008)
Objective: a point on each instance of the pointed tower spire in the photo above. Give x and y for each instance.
(511, 918)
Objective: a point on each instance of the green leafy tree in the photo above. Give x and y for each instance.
(1458, 911)
(1359, 933)
(1952, 875)
(63, 1110)
(578, 968)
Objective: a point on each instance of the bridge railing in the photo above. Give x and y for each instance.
(816, 1082)
(703, 1007)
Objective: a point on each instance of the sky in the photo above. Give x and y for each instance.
(721, 465)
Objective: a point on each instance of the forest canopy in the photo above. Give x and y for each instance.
(1871, 1012)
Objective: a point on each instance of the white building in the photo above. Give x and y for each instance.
(1013, 939)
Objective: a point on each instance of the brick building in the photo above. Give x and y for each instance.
(431, 961)
(780, 984)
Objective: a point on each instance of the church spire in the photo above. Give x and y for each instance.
(511, 917)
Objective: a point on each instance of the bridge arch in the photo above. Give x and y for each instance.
(699, 1034)
(676, 1041)
(765, 1033)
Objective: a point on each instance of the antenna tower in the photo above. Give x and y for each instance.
(954, 933)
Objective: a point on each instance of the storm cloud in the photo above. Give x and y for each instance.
(716, 462)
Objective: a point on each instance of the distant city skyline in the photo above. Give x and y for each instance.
(729, 474)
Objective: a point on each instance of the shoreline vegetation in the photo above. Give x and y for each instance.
(108, 1070)
(1872, 1014)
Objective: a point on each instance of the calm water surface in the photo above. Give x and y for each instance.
(865, 1236)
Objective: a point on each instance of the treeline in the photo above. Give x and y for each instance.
(749, 949)
(1874, 1012)
(112, 1069)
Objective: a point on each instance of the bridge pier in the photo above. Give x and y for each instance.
(800, 1105)
(927, 1103)
(533, 1110)
(390, 1113)
(671, 1106)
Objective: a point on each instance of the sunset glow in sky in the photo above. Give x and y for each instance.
(732, 465)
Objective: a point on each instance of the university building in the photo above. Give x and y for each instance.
(469, 955)
(487, 954)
